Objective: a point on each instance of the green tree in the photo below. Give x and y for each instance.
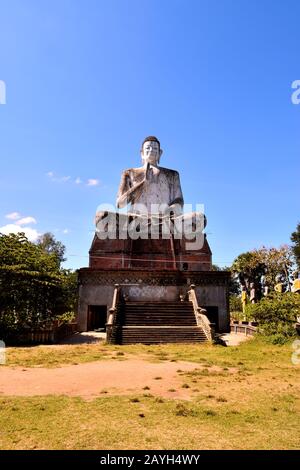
(33, 288)
(277, 261)
(249, 267)
(267, 262)
(52, 247)
(295, 238)
(277, 315)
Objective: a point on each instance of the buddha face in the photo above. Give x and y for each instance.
(151, 152)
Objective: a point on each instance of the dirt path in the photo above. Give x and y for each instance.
(94, 379)
(234, 339)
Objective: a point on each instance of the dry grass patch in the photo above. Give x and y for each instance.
(246, 397)
(115, 423)
(250, 355)
(59, 355)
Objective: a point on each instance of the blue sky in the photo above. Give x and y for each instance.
(86, 81)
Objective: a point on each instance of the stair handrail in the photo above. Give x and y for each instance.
(200, 314)
(112, 312)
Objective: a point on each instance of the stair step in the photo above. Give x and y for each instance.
(161, 334)
(157, 322)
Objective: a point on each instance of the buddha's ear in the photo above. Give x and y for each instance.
(160, 154)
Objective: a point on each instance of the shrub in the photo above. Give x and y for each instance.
(67, 317)
(277, 315)
(239, 316)
(235, 303)
(34, 289)
(278, 338)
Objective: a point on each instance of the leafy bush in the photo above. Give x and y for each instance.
(66, 317)
(277, 315)
(235, 303)
(237, 316)
(34, 289)
(279, 338)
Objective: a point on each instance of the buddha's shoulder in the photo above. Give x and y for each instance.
(169, 171)
(140, 171)
(133, 171)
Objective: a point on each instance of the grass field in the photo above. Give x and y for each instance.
(250, 354)
(255, 408)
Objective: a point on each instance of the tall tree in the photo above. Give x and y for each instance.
(249, 267)
(295, 238)
(33, 287)
(267, 262)
(52, 247)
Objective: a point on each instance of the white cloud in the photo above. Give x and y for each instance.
(65, 231)
(26, 221)
(30, 233)
(77, 180)
(13, 216)
(92, 182)
(58, 179)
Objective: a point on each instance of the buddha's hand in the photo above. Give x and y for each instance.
(147, 172)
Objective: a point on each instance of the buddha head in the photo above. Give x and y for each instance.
(151, 151)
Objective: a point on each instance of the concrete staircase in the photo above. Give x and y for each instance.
(158, 322)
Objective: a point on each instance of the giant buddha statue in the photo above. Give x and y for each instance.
(150, 188)
(154, 201)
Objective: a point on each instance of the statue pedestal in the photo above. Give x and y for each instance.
(150, 271)
(156, 255)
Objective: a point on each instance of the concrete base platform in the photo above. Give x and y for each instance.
(96, 288)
